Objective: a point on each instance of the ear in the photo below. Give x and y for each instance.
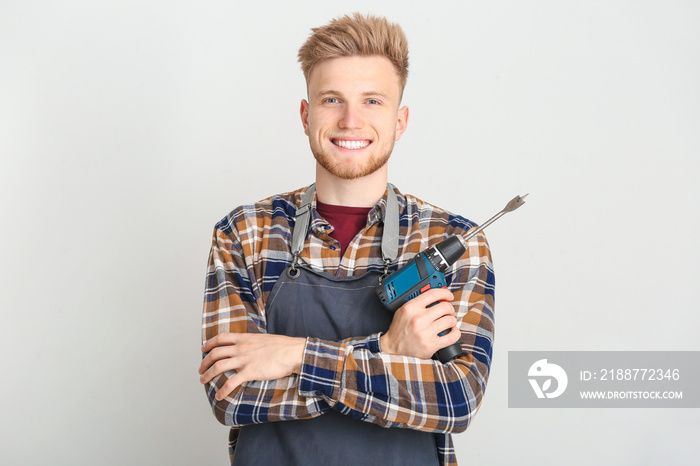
(401, 122)
(304, 111)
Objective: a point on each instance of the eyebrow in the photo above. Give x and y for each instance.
(333, 92)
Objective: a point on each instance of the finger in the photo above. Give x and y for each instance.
(447, 322)
(440, 309)
(220, 340)
(216, 354)
(450, 338)
(230, 386)
(432, 295)
(220, 367)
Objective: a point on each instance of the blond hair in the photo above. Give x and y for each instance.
(356, 35)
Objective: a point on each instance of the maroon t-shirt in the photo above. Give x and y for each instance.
(347, 221)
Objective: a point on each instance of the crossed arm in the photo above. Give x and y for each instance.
(388, 379)
(262, 356)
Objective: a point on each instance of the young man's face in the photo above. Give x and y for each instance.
(352, 117)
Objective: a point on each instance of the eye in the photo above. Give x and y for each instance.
(373, 102)
(331, 100)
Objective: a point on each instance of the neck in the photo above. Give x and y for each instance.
(360, 192)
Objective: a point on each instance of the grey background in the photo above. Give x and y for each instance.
(127, 129)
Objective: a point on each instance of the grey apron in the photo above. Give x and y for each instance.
(307, 303)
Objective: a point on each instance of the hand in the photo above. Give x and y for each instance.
(415, 326)
(254, 356)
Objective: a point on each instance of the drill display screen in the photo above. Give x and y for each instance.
(404, 280)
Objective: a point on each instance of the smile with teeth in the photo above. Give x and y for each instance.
(351, 143)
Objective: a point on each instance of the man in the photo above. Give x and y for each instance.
(301, 359)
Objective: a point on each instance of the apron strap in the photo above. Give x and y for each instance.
(390, 234)
(303, 218)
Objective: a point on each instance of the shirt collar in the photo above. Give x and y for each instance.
(378, 212)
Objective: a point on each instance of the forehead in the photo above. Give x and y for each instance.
(355, 75)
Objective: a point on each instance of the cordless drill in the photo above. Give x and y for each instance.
(426, 270)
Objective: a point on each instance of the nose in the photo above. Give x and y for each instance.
(351, 118)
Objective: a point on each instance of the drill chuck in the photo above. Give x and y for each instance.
(451, 250)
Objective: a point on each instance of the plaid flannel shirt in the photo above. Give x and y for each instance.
(251, 249)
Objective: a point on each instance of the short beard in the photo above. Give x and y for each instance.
(350, 171)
